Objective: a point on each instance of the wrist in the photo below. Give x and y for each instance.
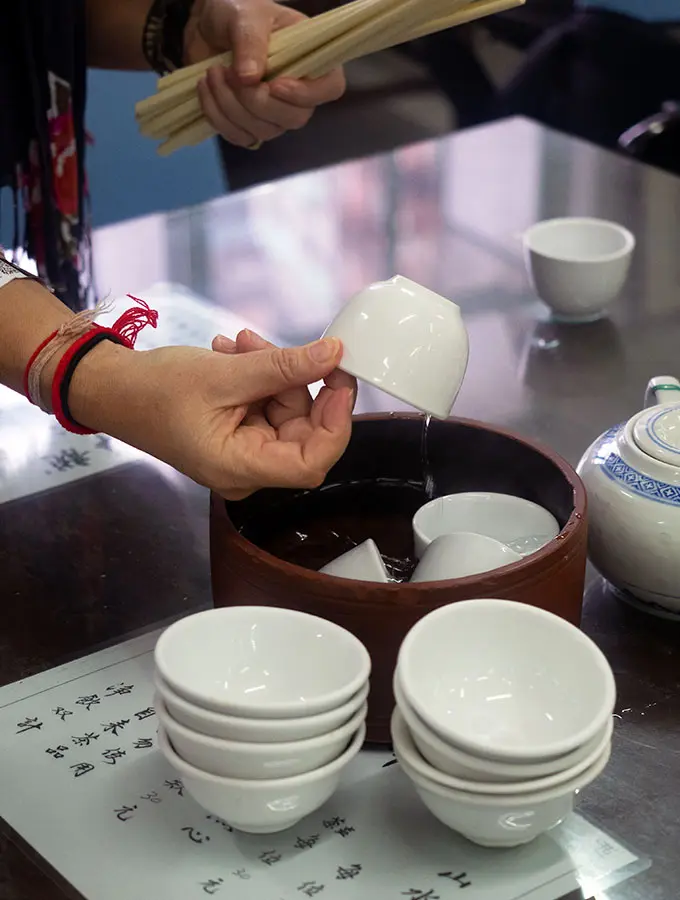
(101, 389)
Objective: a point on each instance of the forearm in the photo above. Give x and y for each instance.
(101, 385)
(114, 33)
(28, 314)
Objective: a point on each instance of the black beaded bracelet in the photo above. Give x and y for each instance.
(163, 34)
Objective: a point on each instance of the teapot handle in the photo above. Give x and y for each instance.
(662, 389)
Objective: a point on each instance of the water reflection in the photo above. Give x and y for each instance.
(573, 360)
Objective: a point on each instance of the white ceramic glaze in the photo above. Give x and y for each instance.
(502, 517)
(452, 761)
(261, 807)
(460, 555)
(405, 741)
(238, 759)
(262, 662)
(405, 340)
(506, 680)
(632, 476)
(578, 266)
(495, 821)
(257, 731)
(361, 563)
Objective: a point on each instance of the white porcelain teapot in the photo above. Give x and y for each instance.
(632, 476)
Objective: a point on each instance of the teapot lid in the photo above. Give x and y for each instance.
(657, 433)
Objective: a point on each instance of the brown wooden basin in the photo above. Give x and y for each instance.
(259, 557)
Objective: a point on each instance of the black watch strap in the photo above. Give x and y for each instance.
(163, 35)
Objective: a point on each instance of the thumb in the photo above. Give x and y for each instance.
(249, 30)
(265, 373)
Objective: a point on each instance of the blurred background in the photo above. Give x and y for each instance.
(593, 68)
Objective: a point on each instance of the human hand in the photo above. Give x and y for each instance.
(293, 403)
(242, 108)
(225, 419)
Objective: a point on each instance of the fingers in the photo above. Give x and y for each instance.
(297, 402)
(225, 112)
(266, 373)
(223, 344)
(310, 92)
(237, 112)
(298, 451)
(287, 407)
(328, 440)
(259, 103)
(305, 463)
(336, 412)
(339, 379)
(289, 404)
(213, 113)
(249, 32)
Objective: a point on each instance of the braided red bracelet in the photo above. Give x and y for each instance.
(61, 382)
(124, 332)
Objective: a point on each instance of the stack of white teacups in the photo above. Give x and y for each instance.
(504, 713)
(260, 711)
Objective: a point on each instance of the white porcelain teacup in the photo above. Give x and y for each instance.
(361, 563)
(405, 340)
(578, 266)
(506, 680)
(521, 524)
(261, 806)
(493, 820)
(462, 554)
(262, 662)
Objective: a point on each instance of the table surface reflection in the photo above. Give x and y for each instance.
(116, 553)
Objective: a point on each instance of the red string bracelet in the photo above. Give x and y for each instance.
(124, 332)
(61, 382)
(33, 358)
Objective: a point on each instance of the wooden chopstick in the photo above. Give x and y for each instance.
(477, 10)
(285, 47)
(390, 28)
(188, 136)
(178, 99)
(170, 119)
(320, 32)
(322, 59)
(392, 22)
(279, 40)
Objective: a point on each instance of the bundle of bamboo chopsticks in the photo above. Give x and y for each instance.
(308, 49)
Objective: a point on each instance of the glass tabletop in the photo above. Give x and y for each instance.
(100, 557)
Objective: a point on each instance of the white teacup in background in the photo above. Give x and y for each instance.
(460, 555)
(405, 340)
(524, 526)
(361, 563)
(578, 266)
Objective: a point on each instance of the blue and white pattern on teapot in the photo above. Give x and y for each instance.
(636, 482)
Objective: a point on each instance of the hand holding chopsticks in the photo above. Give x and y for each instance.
(194, 103)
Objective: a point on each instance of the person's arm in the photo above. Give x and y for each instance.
(198, 410)
(114, 33)
(29, 314)
(240, 108)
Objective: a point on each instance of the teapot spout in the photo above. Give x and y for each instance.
(662, 389)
